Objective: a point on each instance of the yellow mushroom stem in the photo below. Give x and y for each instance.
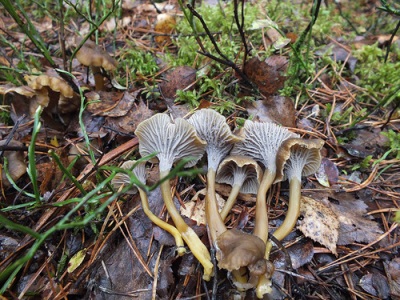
(162, 224)
(261, 226)
(293, 211)
(230, 201)
(98, 78)
(215, 223)
(197, 247)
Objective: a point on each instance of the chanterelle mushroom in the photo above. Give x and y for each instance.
(300, 157)
(262, 142)
(91, 55)
(121, 179)
(172, 141)
(243, 174)
(235, 249)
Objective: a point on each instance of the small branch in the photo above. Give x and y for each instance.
(225, 60)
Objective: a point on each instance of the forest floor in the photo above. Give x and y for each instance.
(325, 70)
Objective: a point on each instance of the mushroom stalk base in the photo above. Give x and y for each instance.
(261, 226)
(230, 201)
(194, 243)
(162, 224)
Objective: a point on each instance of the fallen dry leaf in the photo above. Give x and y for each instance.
(180, 78)
(275, 109)
(195, 208)
(354, 224)
(319, 223)
(268, 75)
(393, 273)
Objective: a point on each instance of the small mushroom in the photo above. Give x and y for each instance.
(262, 142)
(121, 179)
(243, 174)
(15, 162)
(300, 157)
(173, 141)
(91, 55)
(46, 86)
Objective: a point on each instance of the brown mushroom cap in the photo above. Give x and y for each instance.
(262, 142)
(171, 140)
(121, 179)
(44, 85)
(237, 169)
(212, 128)
(236, 249)
(299, 157)
(15, 161)
(91, 54)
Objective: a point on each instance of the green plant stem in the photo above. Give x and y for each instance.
(32, 171)
(66, 172)
(18, 227)
(197, 247)
(261, 226)
(160, 223)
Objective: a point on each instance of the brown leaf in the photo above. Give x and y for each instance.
(268, 74)
(393, 272)
(319, 223)
(113, 104)
(128, 123)
(276, 109)
(354, 225)
(180, 78)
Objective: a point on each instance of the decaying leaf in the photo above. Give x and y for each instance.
(15, 161)
(268, 75)
(376, 284)
(195, 209)
(275, 109)
(319, 223)
(366, 143)
(354, 225)
(393, 273)
(181, 78)
(112, 104)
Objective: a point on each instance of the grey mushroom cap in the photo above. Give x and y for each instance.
(237, 169)
(300, 157)
(170, 140)
(121, 179)
(262, 142)
(212, 128)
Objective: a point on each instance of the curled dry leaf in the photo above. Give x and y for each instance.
(328, 173)
(195, 209)
(112, 104)
(376, 284)
(319, 223)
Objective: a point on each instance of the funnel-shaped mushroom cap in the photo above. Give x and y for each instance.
(171, 141)
(91, 54)
(237, 169)
(262, 142)
(299, 157)
(236, 249)
(211, 127)
(123, 179)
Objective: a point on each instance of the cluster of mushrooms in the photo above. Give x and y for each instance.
(235, 160)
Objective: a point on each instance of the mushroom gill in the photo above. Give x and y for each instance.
(243, 174)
